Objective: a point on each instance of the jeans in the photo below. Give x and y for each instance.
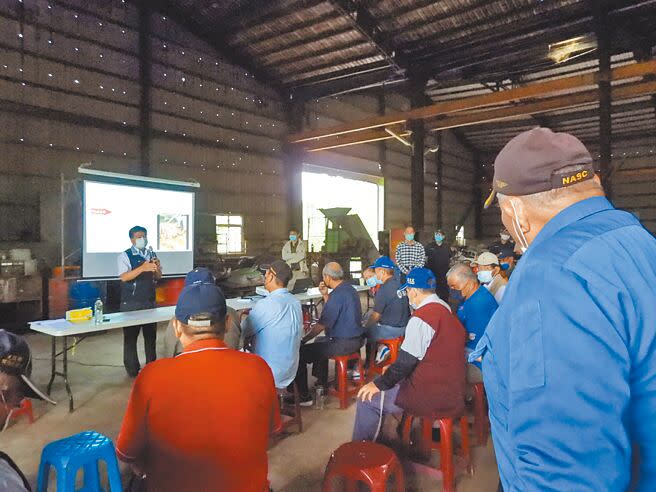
(382, 332)
(130, 356)
(317, 353)
(369, 414)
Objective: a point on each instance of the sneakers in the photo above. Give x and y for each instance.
(383, 354)
(353, 374)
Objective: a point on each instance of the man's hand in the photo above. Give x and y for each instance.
(368, 391)
(149, 266)
(323, 288)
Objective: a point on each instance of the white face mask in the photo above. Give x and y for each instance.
(505, 237)
(141, 242)
(523, 243)
(7, 409)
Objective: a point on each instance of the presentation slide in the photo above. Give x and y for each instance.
(110, 210)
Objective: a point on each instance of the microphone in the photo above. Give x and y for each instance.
(153, 256)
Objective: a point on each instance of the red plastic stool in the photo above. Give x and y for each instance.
(343, 389)
(366, 462)
(25, 409)
(480, 414)
(393, 344)
(445, 447)
(296, 418)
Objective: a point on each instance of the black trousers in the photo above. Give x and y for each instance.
(130, 356)
(317, 354)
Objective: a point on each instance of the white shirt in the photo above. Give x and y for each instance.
(418, 333)
(298, 257)
(497, 287)
(123, 262)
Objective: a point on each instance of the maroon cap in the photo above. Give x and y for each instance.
(533, 161)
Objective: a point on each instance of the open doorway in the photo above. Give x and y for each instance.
(325, 188)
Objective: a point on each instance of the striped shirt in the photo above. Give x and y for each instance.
(409, 256)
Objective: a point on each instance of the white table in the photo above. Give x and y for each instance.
(60, 328)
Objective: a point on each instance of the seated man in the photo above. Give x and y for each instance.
(507, 264)
(275, 325)
(489, 274)
(341, 322)
(15, 385)
(428, 376)
(232, 338)
(201, 420)
(475, 312)
(391, 312)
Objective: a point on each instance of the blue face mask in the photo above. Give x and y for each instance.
(372, 282)
(505, 266)
(293, 237)
(409, 237)
(439, 238)
(484, 276)
(456, 295)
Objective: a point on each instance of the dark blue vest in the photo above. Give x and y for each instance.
(140, 292)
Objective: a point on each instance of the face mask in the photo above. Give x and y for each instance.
(523, 243)
(484, 276)
(505, 237)
(141, 242)
(7, 410)
(409, 237)
(456, 295)
(505, 266)
(372, 282)
(293, 237)
(439, 238)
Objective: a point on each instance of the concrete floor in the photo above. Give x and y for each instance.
(101, 389)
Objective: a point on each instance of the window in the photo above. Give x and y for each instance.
(460, 237)
(229, 234)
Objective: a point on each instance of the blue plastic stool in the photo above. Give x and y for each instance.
(82, 450)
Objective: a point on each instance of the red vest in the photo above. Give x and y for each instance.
(436, 388)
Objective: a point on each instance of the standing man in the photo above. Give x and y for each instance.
(409, 253)
(294, 252)
(506, 245)
(568, 359)
(139, 270)
(438, 257)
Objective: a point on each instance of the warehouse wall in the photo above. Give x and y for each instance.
(393, 163)
(70, 95)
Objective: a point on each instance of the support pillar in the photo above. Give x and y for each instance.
(478, 196)
(294, 167)
(417, 99)
(145, 65)
(602, 29)
(439, 166)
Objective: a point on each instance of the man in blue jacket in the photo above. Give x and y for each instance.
(569, 358)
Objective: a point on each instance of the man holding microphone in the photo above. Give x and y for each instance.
(139, 269)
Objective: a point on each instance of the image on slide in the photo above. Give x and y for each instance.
(172, 232)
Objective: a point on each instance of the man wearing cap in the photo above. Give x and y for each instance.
(428, 376)
(475, 311)
(341, 320)
(410, 253)
(507, 264)
(505, 245)
(391, 312)
(438, 258)
(15, 385)
(489, 274)
(275, 325)
(201, 420)
(575, 405)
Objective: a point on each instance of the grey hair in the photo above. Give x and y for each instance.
(463, 272)
(550, 197)
(336, 273)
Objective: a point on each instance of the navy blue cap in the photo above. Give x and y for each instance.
(419, 278)
(384, 262)
(199, 275)
(201, 298)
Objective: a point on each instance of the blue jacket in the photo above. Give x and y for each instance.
(569, 358)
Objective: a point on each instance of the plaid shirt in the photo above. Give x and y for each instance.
(409, 256)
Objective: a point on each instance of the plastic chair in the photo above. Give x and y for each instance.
(296, 418)
(445, 446)
(343, 389)
(82, 450)
(366, 462)
(393, 344)
(25, 409)
(480, 414)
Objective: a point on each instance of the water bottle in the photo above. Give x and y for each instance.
(319, 397)
(98, 311)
